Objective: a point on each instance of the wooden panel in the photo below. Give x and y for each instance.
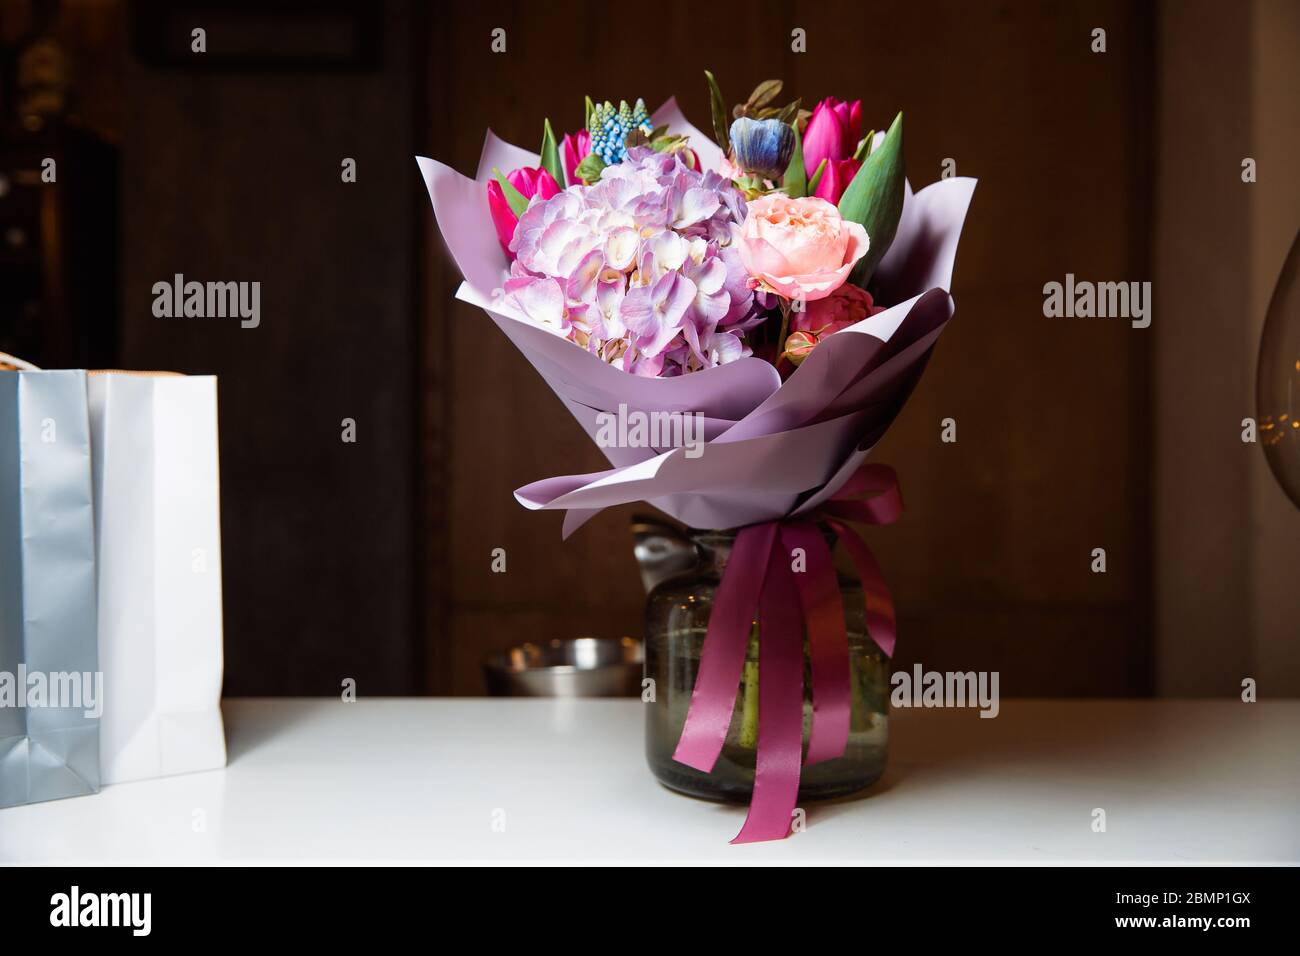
(235, 175)
(991, 561)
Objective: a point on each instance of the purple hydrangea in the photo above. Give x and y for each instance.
(639, 268)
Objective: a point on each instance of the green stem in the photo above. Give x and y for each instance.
(749, 700)
(785, 327)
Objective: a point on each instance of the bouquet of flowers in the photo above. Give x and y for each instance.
(780, 282)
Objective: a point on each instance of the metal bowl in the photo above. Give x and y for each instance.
(583, 667)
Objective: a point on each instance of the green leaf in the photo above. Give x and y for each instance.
(589, 108)
(816, 177)
(795, 181)
(667, 144)
(516, 199)
(719, 106)
(551, 156)
(875, 199)
(788, 115)
(589, 169)
(764, 93)
(864, 147)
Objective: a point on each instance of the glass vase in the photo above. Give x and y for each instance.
(677, 619)
(1278, 378)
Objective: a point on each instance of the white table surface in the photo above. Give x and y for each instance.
(406, 780)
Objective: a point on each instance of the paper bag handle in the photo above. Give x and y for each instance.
(123, 371)
(13, 363)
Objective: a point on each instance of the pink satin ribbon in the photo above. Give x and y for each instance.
(761, 581)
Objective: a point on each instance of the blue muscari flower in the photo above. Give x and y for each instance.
(763, 147)
(609, 126)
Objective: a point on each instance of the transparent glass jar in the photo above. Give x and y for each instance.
(1277, 379)
(677, 619)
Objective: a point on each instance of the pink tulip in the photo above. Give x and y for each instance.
(573, 150)
(530, 183)
(832, 133)
(836, 178)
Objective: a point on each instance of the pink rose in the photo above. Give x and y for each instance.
(845, 306)
(798, 346)
(529, 182)
(800, 248)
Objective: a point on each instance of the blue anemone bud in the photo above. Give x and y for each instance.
(763, 147)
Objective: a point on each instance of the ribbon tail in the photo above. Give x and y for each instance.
(881, 626)
(722, 658)
(780, 706)
(828, 643)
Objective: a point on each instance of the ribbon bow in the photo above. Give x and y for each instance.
(759, 579)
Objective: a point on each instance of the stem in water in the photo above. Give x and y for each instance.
(749, 699)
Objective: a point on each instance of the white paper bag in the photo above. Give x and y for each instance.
(158, 545)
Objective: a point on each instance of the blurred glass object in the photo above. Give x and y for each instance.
(1277, 381)
(44, 80)
(661, 550)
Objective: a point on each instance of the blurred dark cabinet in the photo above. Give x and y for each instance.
(59, 248)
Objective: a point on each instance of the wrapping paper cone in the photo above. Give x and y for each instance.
(775, 449)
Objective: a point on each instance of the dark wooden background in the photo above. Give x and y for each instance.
(990, 565)
(372, 560)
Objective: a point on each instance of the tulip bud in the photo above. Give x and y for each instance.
(839, 173)
(574, 150)
(832, 132)
(529, 182)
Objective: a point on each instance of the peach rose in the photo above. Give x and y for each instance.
(800, 248)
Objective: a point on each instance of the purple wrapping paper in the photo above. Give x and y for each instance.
(773, 449)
